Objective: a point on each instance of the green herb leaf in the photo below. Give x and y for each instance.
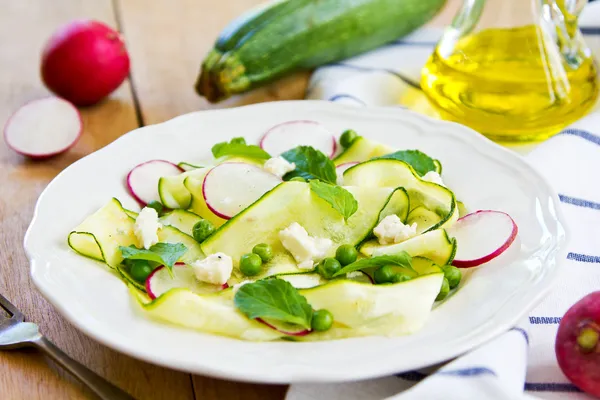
(238, 147)
(166, 254)
(420, 161)
(310, 164)
(340, 199)
(274, 299)
(402, 259)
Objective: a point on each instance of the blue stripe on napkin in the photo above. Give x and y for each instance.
(474, 371)
(583, 258)
(551, 387)
(522, 332)
(582, 134)
(579, 202)
(544, 320)
(346, 96)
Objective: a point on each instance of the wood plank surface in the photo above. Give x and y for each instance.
(24, 26)
(167, 41)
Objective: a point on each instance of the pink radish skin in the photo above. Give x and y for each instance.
(467, 225)
(300, 333)
(43, 128)
(142, 180)
(247, 182)
(148, 283)
(84, 61)
(287, 135)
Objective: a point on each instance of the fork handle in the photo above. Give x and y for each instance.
(100, 386)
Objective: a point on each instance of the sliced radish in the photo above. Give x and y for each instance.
(340, 169)
(482, 236)
(229, 188)
(142, 180)
(43, 128)
(160, 281)
(290, 134)
(286, 329)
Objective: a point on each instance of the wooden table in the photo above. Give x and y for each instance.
(167, 40)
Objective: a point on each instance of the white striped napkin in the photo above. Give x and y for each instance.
(520, 364)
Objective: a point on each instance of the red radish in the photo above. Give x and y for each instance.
(577, 345)
(286, 329)
(340, 169)
(290, 134)
(43, 128)
(229, 188)
(160, 281)
(482, 236)
(84, 61)
(142, 180)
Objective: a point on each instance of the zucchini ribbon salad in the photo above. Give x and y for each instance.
(299, 237)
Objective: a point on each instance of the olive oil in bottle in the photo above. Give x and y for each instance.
(511, 83)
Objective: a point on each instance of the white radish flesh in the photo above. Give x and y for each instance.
(229, 188)
(160, 281)
(288, 135)
(340, 169)
(43, 128)
(482, 236)
(286, 329)
(142, 180)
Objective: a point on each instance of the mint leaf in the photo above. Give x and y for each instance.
(238, 147)
(402, 259)
(165, 254)
(340, 199)
(274, 299)
(420, 161)
(310, 164)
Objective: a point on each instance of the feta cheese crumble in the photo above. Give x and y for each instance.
(433, 177)
(279, 166)
(146, 227)
(304, 248)
(215, 269)
(391, 230)
(354, 274)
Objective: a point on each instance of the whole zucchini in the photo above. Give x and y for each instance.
(287, 35)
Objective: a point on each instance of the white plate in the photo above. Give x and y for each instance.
(483, 175)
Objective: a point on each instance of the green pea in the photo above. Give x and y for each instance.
(321, 320)
(443, 291)
(453, 275)
(202, 229)
(297, 179)
(238, 140)
(264, 251)
(348, 137)
(140, 270)
(328, 267)
(250, 264)
(156, 205)
(399, 277)
(346, 254)
(384, 274)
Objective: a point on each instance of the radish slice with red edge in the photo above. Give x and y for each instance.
(229, 188)
(482, 236)
(288, 135)
(160, 281)
(43, 128)
(142, 180)
(286, 329)
(340, 169)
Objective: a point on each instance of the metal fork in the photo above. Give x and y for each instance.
(16, 334)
